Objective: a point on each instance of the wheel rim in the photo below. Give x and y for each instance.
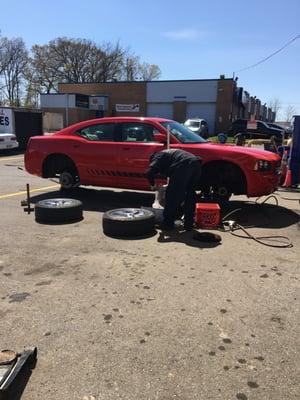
(129, 213)
(66, 180)
(56, 202)
(222, 191)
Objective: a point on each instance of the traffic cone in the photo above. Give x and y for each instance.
(288, 179)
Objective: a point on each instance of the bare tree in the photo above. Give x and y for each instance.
(135, 70)
(290, 111)
(148, 72)
(131, 68)
(112, 63)
(76, 61)
(33, 88)
(13, 60)
(65, 60)
(275, 104)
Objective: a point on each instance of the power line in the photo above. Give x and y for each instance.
(271, 55)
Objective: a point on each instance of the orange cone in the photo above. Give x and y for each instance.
(288, 179)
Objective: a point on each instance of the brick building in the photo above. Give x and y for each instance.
(219, 101)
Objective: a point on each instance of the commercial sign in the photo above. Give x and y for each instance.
(6, 120)
(98, 103)
(81, 101)
(251, 124)
(127, 107)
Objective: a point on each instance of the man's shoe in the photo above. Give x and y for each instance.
(167, 226)
(188, 226)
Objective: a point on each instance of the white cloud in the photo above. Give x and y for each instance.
(182, 34)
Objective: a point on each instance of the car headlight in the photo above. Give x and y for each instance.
(263, 165)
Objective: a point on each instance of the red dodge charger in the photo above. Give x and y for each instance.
(114, 152)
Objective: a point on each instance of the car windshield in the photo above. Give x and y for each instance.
(276, 126)
(192, 124)
(182, 133)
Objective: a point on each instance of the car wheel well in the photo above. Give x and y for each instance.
(218, 172)
(55, 164)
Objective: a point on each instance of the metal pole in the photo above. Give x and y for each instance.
(67, 110)
(233, 88)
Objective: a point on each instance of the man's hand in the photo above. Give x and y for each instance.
(153, 188)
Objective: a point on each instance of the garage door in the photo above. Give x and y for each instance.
(203, 110)
(162, 110)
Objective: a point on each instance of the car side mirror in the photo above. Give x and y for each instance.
(160, 138)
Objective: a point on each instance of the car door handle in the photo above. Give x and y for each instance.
(126, 148)
(76, 146)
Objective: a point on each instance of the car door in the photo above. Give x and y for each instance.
(96, 154)
(134, 150)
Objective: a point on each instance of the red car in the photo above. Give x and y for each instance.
(114, 152)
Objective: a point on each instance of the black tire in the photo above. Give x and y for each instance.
(221, 192)
(58, 210)
(128, 222)
(68, 180)
(217, 192)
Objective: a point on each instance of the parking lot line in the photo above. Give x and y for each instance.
(12, 158)
(6, 196)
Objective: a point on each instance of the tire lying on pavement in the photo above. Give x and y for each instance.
(128, 222)
(58, 210)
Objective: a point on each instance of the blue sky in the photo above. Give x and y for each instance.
(188, 39)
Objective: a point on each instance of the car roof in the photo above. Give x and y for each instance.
(96, 121)
(195, 119)
(129, 118)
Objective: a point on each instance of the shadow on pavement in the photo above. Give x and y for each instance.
(11, 153)
(250, 214)
(131, 238)
(186, 238)
(247, 214)
(101, 200)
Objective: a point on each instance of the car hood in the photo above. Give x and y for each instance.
(226, 150)
(194, 129)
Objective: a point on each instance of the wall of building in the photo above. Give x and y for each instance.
(72, 115)
(191, 91)
(59, 100)
(219, 101)
(179, 110)
(117, 92)
(181, 100)
(224, 105)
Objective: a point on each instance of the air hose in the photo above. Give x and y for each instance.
(233, 226)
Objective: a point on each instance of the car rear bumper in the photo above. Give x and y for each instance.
(8, 145)
(31, 163)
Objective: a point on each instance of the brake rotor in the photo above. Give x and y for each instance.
(7, 356)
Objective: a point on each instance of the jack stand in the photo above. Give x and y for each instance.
(26, 203)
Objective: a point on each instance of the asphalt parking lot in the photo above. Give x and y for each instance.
(164, 317)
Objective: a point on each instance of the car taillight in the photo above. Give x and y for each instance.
(1, 140)
(13, 138)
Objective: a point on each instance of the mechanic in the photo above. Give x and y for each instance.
(184, 171)
(240, 139)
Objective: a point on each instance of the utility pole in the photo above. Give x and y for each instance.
(231, 108)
